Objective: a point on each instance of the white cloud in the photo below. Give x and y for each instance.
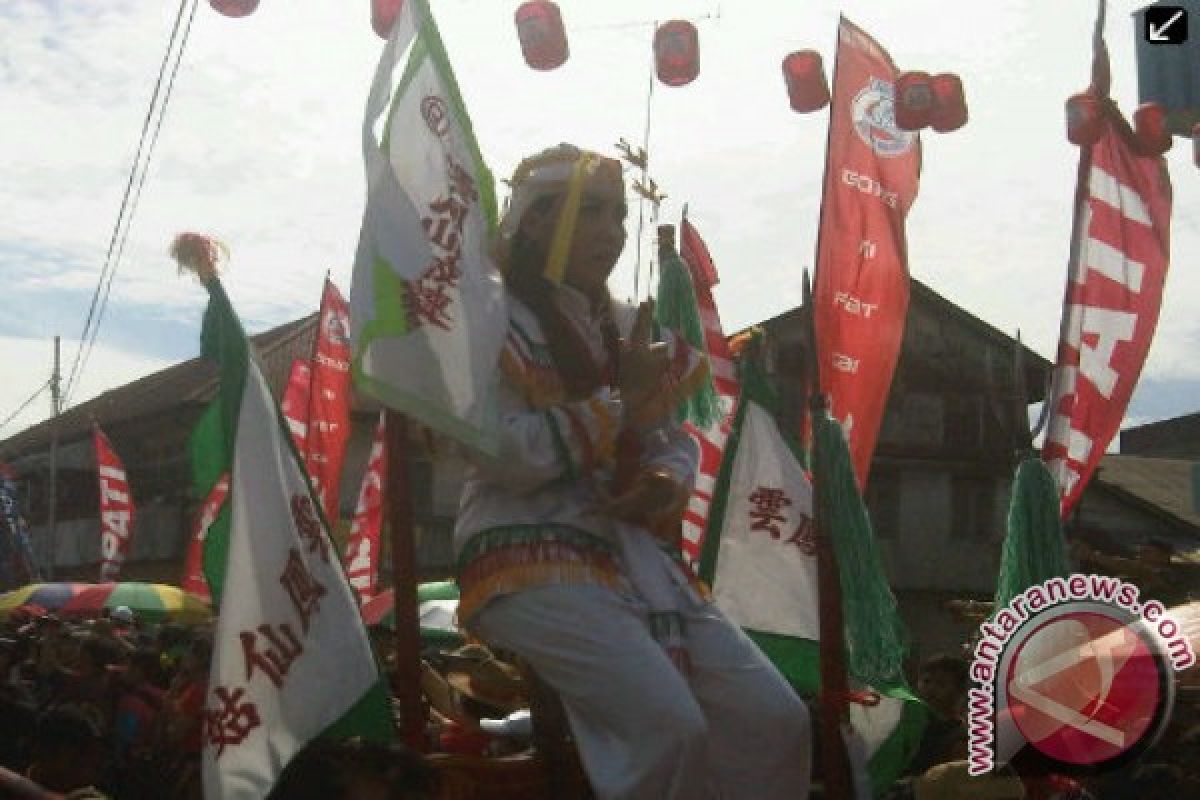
(261, 147)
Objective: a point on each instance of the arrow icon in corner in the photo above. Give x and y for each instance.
(1158, 32)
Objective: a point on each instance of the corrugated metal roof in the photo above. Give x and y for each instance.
(191, 383)
(1164, 483)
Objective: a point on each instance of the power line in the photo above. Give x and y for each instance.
(133, 191)
(25, 405)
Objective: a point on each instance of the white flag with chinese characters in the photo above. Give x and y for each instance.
(759, 556)
(291, 659)
(427, 307)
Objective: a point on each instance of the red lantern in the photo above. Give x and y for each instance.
(949, 103)
(543, 39)
(234, 8)
(1150, 127)
(383, 15)
(1085, 120)
(806, 85)
(914, 101)
(1196, 143)
(677, 52)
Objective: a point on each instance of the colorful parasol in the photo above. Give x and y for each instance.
(149, 601)
(437, 603)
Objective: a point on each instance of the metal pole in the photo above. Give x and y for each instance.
(56, 400)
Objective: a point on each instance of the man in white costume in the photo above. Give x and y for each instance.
(567, 542)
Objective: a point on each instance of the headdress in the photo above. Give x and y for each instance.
(563, 170)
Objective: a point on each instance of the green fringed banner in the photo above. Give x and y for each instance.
(1033, 547)
(875, 635)
(675, 307)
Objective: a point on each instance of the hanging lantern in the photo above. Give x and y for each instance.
(806, 85)
(1085, 119)
(383, 15)
(914, 101)
(1150, 127)
(543, 39)
(234, 8)
(677, 52)
(949, 103)
(1196, 143)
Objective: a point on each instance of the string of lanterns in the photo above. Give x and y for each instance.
(922, 100)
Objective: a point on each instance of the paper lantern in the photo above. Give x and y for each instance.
(949, 103)
(234, 8)
(677, 52)
(1196, 143)
(1150, 127)
(543, 38)
(804, 73)
(914, 101)
(1085, 119)
(383, 15)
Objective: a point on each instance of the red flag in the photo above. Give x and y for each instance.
(712, 441)
(363, 544)
(329, 400)
(1119, 257)
(295, 403)
(116, 508)
(193, 569)
(861, 293)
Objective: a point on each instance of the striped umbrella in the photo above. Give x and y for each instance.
(150, 601)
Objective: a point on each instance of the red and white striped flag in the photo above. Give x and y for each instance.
(363, 544)
(712, 440)
(193, 568)
(1115, 280)
(295, 403)
(116, 508)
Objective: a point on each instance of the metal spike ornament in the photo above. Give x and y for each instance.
(199, 254)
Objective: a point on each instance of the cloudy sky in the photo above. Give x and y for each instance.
(260, 146)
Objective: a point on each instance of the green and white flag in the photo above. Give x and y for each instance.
(291, 659)
(759, 557)
(428, 315)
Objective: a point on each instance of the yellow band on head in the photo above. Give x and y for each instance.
(564, 230)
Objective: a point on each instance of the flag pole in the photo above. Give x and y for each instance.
(406, 677)
(835, 762)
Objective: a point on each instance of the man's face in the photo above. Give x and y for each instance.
(599, 234)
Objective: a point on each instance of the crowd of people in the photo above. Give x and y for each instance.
(111, 707)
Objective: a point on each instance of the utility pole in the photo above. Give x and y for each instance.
(56, 400)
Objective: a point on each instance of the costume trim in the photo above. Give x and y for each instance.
(511, 558)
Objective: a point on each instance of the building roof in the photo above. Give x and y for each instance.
(1178, 437)
(190, 383)
(1036, 367)
(1162, 485)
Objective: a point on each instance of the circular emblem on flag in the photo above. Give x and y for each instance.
(874, 115)
(1087, 686)
(337, 328)
(437, 116)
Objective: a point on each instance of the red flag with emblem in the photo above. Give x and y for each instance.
(1120, 251)
(861, 287)
(295, 403)
(116, 508)
(363, 544)
(329, 400)
(712, 440)
(193, 568)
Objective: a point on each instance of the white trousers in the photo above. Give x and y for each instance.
(732, 729)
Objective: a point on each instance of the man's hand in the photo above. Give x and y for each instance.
(654, 498)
